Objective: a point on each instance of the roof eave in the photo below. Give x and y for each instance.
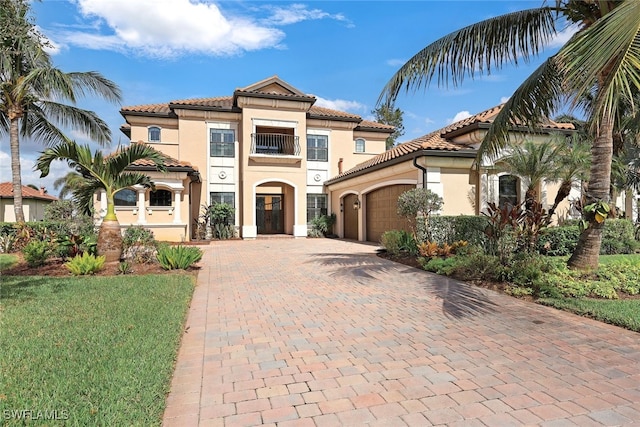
(404, 158)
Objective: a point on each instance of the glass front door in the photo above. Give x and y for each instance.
(269, 213)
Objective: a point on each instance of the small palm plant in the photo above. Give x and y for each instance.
(103, 173)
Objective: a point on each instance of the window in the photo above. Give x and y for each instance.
(126, 197)
(359, 145)
(317, 148)
(160, 198)
(507, 190)
(226, 197)
(154, 134)
(222, 142)
(316, 206)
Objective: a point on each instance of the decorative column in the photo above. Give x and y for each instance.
(176, 207)
(142, 212)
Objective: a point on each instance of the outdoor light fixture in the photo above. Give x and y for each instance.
(356, 204)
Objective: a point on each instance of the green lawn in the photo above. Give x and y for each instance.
(96, 350)
(7, 260)
(625, 313)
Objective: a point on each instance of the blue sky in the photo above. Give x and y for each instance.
(343, 52)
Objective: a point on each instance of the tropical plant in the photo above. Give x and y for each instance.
(178, 257)
(84, 264)
(33, 92)
(601, 59)
(103, 173)
(68, 184)
(532, 162)
(36, 253)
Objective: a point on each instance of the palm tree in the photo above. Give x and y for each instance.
(33, 92)
(68, 184)
(532, 162)
(601, 59)
(572, 165)
(103, 173)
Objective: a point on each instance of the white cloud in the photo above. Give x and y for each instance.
(459, 116)
(172, 28)
(396, 62)
(30, 175)
(504, 99)
(563, 36)
(341, 105)
(295, 13)
(169, 29)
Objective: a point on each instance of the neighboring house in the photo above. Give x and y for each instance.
(365, 197)
(266, 150)
(33, 203)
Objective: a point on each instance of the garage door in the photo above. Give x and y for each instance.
(382, 207)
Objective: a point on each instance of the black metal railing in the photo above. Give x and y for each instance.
(275, 144)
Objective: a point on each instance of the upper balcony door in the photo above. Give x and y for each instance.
(275, 141)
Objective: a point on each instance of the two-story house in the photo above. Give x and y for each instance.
(266, 150)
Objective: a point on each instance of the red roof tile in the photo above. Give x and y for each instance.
(6, 192)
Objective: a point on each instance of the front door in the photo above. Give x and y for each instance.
(270, 213)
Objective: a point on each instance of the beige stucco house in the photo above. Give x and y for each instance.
(267, 150)
(34, 202)
(442, 161)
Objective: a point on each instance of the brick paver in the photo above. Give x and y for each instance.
(315, 332)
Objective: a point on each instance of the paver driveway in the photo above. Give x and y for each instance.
(319, 332)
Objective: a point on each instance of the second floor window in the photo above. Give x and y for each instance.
(317, 148)
(160, 198)
(222, 142)
(360, 146)
(154, 134)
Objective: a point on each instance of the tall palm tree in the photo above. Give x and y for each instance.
(103, 173)
(601, 58)
(34, 94)
(572, 164)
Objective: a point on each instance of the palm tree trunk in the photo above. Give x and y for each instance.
(16, 177)
(587, 251)
(563, 193)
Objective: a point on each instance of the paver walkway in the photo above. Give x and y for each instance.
(321, 332)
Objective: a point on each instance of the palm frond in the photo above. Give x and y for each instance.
(129, 179)
(476, 49)
(85, 121)
(83, 195)
(94, 83)
(36, 125)
(532, 102)
(122, 159)
(606, 56)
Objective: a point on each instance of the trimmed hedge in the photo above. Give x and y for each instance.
(617, 238)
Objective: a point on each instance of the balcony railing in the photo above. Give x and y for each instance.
(275, 144)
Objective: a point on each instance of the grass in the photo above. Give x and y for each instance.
(625, 313)
(98, 350)
(7, 261)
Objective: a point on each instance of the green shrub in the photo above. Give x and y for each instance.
(84, 264)
(7, 242)
(559, 241)
(322, 225)
(618, 237)
(416, 206)
(139, 245)
(178, 257)
(71, 245)
(124, 267)
(398, 241)
(36, 253)
(449, 229)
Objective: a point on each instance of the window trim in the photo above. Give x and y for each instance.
(151, 205)
(315, 149)
(318, 210)
(364, 145)
(135, 194)
(222, 145)
(149, 129)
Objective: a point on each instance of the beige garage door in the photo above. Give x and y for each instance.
(382, 207)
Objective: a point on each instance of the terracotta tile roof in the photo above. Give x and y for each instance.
(225, 102)
(368, 124)
(438, 141)
(149, 108)
(169, 162)
(316, 111)
(6, 192)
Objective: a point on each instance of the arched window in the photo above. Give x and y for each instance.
(126, 197)
(507, 190)
(360, 145)
(160, 198)
(154, 134)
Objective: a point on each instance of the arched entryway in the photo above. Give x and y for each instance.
(274, 208)
(350, 214)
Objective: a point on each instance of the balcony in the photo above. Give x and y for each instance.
(275, 148)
